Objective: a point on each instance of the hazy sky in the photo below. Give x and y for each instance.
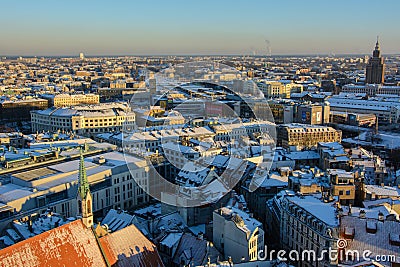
(133, 27)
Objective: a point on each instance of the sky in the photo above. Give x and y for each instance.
(194, 27)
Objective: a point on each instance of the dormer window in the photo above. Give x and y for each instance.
(371, 227)
(394, 239)
(349, 232)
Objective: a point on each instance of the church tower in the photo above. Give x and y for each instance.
(84, 195)
(375, 72)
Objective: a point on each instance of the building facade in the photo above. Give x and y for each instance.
(19, 110)
(375, 72)
(83, 120)
(113, 183)
(274, 89)
(303, 135)
(386, 110)
(237, 235)
(371, 89)
(309, 223)
(313, 113)
(67, 100)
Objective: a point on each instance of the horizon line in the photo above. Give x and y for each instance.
(194, 55)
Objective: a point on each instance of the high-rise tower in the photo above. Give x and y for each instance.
(376, 67)
(84, 195)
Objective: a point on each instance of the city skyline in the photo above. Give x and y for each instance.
(287, 27)
(110, 156)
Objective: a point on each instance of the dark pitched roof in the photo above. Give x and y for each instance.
(129, 247)
(194, 250)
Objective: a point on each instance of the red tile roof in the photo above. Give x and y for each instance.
(129, 247)
(69, 245)
(75, 245)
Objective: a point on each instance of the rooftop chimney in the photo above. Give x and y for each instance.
(381, 217)
(362, 214)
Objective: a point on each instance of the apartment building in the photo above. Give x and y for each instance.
(67, 100)
(306, 136)
(309, 223)
(237, 234)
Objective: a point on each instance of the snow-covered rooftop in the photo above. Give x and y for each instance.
(313, 204)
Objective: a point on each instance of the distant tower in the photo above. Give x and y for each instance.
(152, 86)
(376, 67)
(269, 50)
(82, 56)
(84, 195)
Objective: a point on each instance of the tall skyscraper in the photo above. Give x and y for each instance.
(376, 67)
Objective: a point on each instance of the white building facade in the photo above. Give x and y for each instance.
(237, 234)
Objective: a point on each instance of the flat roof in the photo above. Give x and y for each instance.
(34, 174)
(11, 192)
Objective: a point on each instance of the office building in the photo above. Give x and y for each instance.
(386, 109)
(274, 89)
(112, 177)
(19, 109)
(83, 120)
(315, 114)
(372, 89)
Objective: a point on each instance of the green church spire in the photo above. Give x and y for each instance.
(83, 181)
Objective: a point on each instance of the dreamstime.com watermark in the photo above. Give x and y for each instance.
(331, 255)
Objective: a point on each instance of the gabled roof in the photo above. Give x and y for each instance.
(129, 247)
(69, 245)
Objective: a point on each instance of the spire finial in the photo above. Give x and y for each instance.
(377, 43)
